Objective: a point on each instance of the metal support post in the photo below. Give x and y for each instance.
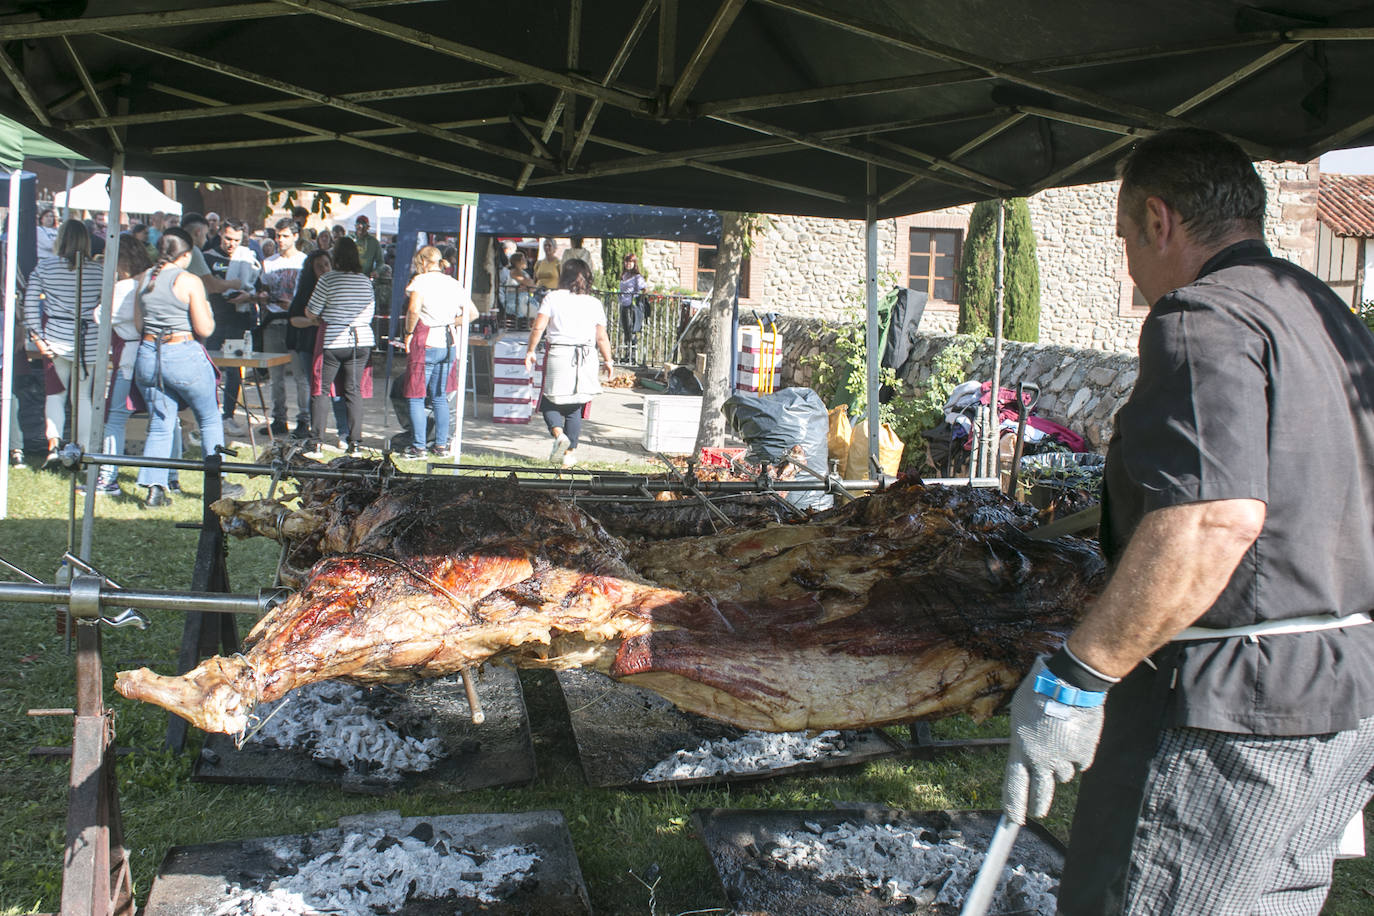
(871, 325)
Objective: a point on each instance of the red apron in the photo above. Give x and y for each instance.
(415, 365)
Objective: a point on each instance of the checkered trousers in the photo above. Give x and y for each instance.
(1243, 825)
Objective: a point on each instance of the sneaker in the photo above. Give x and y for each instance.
(233, 426)
(157, 498)
(229, 490)
(560, 445)
(441, 451)
(341, 445)
(17, 458)
(569, 459)
(313, 450)
(413, 452)
(174, 486)
(278, 428)
(302, 431)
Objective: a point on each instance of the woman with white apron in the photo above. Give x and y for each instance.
(576, 326)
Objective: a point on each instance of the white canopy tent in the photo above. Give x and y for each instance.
(381, 213)
(139, 196)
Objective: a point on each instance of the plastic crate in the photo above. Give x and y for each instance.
(720, 457)
(670, 423)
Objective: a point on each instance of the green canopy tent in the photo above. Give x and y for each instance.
(17, 143)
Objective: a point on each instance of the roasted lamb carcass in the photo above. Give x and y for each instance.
(914, 603)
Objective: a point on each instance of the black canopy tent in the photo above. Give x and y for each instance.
(765, 105)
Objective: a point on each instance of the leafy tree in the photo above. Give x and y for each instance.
(977, 273)
(613, 252)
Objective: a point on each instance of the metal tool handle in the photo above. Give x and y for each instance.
(990, 874)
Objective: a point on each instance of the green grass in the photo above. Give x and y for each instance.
(617, 834)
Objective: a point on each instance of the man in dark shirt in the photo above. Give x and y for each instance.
(1230, 644)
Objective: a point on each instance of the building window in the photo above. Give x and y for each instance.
(705, 273)
(934, 262)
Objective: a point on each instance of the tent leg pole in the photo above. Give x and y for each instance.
(874, 418)
(96, 434)
(7, 368)
(999, 291)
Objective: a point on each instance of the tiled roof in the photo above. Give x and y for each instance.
(1345, 204)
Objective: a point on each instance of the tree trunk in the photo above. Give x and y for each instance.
(719, 346)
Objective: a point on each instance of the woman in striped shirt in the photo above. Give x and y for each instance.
(53, 319)
(343, 305)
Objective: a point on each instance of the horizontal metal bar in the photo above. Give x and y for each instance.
(28, 593)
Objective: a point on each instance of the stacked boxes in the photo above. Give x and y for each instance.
(757, 366)
(515, 390)
(670, 423)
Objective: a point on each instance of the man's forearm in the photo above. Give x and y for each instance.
(1178, 561)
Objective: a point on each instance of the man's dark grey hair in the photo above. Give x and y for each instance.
(1205, 178)
(193, 219)
(289, 223)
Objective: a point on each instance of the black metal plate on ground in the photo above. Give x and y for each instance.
(192, 879)
(496, 753)
(770, 891)
(622, 731)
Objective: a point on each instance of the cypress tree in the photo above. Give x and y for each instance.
(977, 273)
(613, 252)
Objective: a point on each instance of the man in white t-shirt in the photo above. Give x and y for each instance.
(280, 274)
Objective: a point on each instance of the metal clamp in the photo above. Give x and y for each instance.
(84, 597)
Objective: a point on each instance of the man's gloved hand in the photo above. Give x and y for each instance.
(1055, 728)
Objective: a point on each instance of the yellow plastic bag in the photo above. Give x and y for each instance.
(889, 452)
(840, 433)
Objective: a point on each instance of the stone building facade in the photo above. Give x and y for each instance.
(808, 267)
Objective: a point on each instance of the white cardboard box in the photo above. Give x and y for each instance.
(670, 423)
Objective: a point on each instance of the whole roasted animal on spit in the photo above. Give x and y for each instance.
(913, 603)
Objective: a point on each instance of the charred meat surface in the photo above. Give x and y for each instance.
(917, 602)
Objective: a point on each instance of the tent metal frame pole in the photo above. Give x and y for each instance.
(431, 42)
(622, 56)
(51, 28)
(706, 49)
(973, 74)
(328, 101)
(1000, 127)
(345, 138)
(11, 315)
(1009, 72)
(994, 425)
(1231, 79)
(96, 434)
(874, 418)
(21, 86)
(467, 248)
(852, 152)
(250, 108)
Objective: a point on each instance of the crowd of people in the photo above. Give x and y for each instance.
(185, 284)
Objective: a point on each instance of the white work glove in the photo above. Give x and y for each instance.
(1049, 740)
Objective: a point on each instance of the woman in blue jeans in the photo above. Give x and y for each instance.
(172, 368)
(437, 308)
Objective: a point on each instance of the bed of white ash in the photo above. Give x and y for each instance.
(333, 722)
(749, 753)
(917, 866)
(377, 872)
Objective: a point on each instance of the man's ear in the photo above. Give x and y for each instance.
(1162, 227)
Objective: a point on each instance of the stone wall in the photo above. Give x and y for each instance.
(812, 268)
(1081, 388)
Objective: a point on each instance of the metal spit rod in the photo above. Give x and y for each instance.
(31, 593)
(610, 484)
